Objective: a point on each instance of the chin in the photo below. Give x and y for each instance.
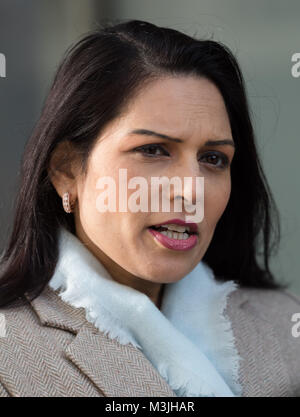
(164, 275)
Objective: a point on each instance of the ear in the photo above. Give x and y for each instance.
(63, 169)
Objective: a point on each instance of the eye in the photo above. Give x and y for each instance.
(218, 159)
(151, 150)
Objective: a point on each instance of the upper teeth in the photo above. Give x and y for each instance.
(176, 227)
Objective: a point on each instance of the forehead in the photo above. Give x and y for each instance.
(181, 104)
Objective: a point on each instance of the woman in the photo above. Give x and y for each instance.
(129, 302)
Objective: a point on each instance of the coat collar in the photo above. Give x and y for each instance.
(123, 370)
(116, 370)
(263, 370)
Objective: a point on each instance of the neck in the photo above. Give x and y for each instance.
(153, 290)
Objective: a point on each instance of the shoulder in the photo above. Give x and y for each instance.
(18, 324)
(270, 304)
(16, 319)
(266, 323)
(19, 327)
(29, 326)
(278, 308)
(30, 353)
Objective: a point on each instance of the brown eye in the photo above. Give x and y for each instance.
(219, 160)
(151, 150)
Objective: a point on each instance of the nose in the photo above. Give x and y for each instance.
(191, 184)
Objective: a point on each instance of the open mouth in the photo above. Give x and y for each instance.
(176, 233)
(174, 237)
(166, 230)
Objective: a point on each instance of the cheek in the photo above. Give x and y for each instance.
(91, 218)
(216, 197)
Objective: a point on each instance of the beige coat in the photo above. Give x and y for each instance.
(50, 349)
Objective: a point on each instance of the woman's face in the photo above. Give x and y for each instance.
(184, 107)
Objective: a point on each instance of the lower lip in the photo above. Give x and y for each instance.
(175, 244)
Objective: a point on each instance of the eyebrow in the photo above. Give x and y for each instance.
(147, 132)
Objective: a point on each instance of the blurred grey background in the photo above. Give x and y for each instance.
(263, 34)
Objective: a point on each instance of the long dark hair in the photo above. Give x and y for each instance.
(92, 86)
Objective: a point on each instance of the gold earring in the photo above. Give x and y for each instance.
(67, 205)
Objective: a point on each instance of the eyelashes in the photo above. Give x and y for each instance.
(153, 146)
(217, 159)
(220, 157)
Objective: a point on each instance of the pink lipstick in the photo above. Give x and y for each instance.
(173, 243)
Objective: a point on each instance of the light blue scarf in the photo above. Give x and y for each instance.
(189, 341)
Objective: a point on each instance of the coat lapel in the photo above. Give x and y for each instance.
(263, 372)
(123, 370)
(115, 369)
